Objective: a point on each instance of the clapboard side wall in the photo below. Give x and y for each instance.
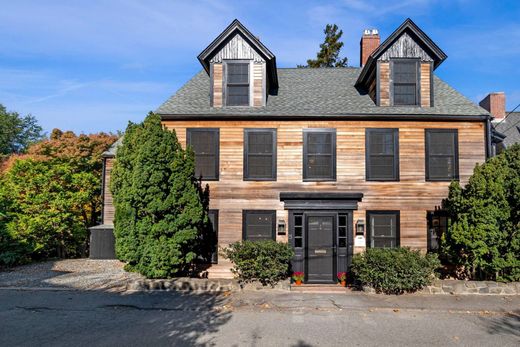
(412, 195)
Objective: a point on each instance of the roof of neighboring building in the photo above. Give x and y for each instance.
(111, 151)
(510, 127)
(315, 92)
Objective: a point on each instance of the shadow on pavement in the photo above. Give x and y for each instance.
(508, 324)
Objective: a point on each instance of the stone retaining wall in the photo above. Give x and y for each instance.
(472, 287)
(200, 285)
(222, 285)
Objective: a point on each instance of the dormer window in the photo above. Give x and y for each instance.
(405, 82)
(237, 84)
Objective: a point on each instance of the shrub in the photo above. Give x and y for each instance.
(160, 206)
(483, 241)
(394, 270)
(265, 261)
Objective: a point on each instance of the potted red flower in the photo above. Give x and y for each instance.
(342, 278)
(297, 277)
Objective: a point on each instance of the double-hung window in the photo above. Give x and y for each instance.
(319, 154)
(205, 144)
(382, 154)
(383, 229)
(260, 154)
(442, 162)
(405, 82)
(237, 83)
(258, 225)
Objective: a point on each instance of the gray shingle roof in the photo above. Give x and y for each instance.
(111, 152)
(511, 128)
(314, 92)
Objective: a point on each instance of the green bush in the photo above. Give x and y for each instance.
(265, 261)
(394, 270)
(483, 241)
(161, 209)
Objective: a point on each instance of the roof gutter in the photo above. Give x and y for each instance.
(342, 116)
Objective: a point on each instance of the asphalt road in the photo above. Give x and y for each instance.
(74, 318)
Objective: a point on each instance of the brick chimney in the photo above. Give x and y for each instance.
(495, 103)
(369, 42)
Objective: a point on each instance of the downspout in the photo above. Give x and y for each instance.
(489, 150)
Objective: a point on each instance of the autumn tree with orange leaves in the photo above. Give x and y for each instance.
(51, 195)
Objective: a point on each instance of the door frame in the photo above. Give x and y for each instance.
(334, 216)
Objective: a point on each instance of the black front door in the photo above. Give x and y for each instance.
(320, 248)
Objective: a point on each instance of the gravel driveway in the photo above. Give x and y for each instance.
(82, 274)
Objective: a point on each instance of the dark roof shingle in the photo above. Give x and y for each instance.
(314, 92)
(511, 128)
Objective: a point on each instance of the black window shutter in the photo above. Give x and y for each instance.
(382, 154)
(237, 84)
(442, 162)
(205, 144)
(405, 82)
(260, 154)
(319, 154)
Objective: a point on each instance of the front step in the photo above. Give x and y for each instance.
(319, 288)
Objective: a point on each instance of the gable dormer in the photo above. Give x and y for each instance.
(242, 70)
(399, 72)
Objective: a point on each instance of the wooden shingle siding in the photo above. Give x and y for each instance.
(108, 204)
(258, 84)
(425, 89)
(217, 84)
(384, 83)
(412, 195)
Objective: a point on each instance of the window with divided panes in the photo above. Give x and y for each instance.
(382, 154)
(442, 162)
(205, 144)
(259, 225)
(405, 82)
(319, 154)
(260, 154)
(383, 229)
(237, 84)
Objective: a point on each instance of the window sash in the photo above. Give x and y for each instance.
(385, 158)
(237, 84)
(442, 165)
(319, 156)
(390, 239)
(206, 159)
(252, 230)
(264, 167)
(405, 81)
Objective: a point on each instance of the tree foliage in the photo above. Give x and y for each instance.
(328, 56)
(51, 195)
(160, 205)
(17, 132)
(483, 240)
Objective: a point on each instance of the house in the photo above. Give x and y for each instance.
(331, 160)
(506, 125)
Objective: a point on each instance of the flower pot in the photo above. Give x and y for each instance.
(298, 282)
(343, 283)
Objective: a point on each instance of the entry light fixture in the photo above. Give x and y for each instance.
(360, 227)
(281, 227)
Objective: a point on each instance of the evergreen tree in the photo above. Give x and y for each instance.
(160, 206)
(328, 56)
(484, 237)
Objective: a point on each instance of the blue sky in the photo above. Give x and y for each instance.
(91, 66)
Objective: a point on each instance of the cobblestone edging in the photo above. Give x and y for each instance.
(200, 285)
